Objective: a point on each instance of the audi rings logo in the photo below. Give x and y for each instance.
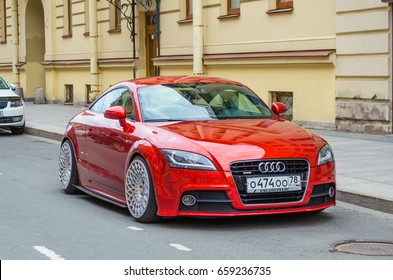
(272, 167)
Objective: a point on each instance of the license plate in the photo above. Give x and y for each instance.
(273, 184)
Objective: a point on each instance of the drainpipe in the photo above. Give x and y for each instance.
(93, 31)
(197, 37)
(390, 3)
(15, 41)
(158, 22)
(133, 34)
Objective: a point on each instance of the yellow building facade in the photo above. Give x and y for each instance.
(301, 52)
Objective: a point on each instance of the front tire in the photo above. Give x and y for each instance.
(18, 130)
(139, 190)
(67, 168)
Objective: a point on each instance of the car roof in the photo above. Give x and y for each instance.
(180, 79)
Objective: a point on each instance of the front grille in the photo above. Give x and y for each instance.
(320, 194)
(217, 201)
(242, 170)
(9, 119)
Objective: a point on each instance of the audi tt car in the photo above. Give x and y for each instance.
(12, 109)
(194, 146)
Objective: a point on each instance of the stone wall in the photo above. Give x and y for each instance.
(365, 116)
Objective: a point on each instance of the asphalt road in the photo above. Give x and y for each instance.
(38, 222)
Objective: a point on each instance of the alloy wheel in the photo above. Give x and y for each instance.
(65, 165)
(137, 188)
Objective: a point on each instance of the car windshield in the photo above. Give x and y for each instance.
(3, 84)
(200, 101)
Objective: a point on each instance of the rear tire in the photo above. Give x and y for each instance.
(67, 168)
(139, 190)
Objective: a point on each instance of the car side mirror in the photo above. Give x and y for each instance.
(13, 87)
(279, 108)
(115, 113)
(120, 114)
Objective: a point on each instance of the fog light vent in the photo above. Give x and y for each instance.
(17, 119)
(331, 191)
(188, 200)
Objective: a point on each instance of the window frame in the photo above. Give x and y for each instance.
(3, 22)
(284, 97)
(67, 14)
(102, 100)
(189, 11)
(115, 17)
(284, 5)
(87, 18)
(233, 11)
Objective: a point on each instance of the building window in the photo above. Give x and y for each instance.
(188, 9)
(115, 16)
(67, 18)
(286, 98)
(3, 23)
(88, 94)
(69, 94)
(233, 7)
(284, 4)
(87, 24)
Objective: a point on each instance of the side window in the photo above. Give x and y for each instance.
(3, 84)
(97, 106)
(116, 97)
(124, 99)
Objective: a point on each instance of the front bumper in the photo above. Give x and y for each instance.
(216, 194)
(12, 116)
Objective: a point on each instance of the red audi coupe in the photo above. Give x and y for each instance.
(194, 146)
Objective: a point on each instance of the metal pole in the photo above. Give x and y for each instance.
(133, 33)
(158, 10)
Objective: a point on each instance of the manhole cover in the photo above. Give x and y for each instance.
(369, 248)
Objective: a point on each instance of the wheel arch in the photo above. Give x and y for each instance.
(154, 160)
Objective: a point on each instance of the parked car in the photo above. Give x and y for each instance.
(194, 146)
(12, 109)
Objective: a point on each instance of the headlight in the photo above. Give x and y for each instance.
(187, 160)
(325, 155)
(16, 102)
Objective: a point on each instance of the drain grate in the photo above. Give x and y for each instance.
(369, 248)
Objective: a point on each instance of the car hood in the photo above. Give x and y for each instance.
(7, 93)
(226, 141)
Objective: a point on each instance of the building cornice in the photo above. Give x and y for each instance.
(286, 57)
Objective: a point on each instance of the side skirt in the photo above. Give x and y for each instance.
(96, 195)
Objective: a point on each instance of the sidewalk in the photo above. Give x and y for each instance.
(364, 162)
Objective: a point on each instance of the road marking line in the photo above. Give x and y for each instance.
(135, 228)
(49, 253)
(180, 247)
